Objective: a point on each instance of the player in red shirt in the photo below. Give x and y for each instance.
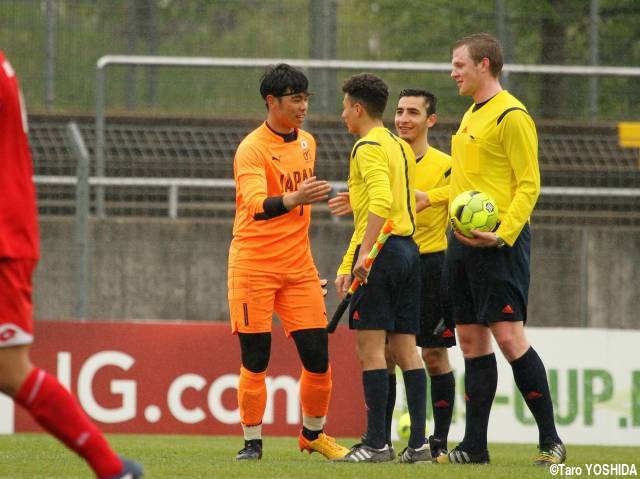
(48, 402)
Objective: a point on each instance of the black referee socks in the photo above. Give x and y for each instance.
(480, 384)
(531, 378)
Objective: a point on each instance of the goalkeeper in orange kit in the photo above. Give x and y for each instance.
(270, 263)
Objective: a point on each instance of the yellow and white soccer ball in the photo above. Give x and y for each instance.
(473, 210)
(404, 427)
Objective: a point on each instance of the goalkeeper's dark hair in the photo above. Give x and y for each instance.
(282, 79)
(430, 99)
(368, 90)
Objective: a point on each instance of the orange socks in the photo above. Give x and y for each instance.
(315, 392)
(252, 396)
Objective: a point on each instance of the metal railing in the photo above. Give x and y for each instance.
(174, 184)
(82, 241)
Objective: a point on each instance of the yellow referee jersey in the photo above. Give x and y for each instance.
(432, 176)
(382, 181)
(496, 151)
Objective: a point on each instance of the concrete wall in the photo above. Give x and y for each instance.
(176, 269)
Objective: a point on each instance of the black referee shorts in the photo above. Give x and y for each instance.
(489, 284)
(390, 300)
(437, 328)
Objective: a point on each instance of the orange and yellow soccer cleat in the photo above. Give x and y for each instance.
(325, 445)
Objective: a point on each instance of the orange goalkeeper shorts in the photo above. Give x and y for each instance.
(295, 297)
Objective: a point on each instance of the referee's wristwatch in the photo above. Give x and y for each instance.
(499, 242)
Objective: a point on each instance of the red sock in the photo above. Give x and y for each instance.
(57, 411)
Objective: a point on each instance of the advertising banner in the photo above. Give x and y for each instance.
(181, 378)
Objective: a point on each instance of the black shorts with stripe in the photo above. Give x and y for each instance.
(489, 284)
(437, 328)
(390, 300)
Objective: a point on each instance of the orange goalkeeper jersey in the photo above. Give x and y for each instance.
(266, 165)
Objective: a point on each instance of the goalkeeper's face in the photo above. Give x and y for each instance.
(290, 110)
(411, 120)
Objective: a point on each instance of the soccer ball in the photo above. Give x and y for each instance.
(473, 210)
(404, 427)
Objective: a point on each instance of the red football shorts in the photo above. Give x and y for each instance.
(295, 297)
(16, 306)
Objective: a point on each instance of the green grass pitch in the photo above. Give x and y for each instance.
(39, 456)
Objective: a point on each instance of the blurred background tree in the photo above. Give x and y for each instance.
(55, 44)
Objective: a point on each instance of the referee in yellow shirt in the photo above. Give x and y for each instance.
(495, 150)
(415, 115)
(381, 187)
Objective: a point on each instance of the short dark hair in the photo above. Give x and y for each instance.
(282, 79)
(483, 45)
(430, 99)
(369, 90)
